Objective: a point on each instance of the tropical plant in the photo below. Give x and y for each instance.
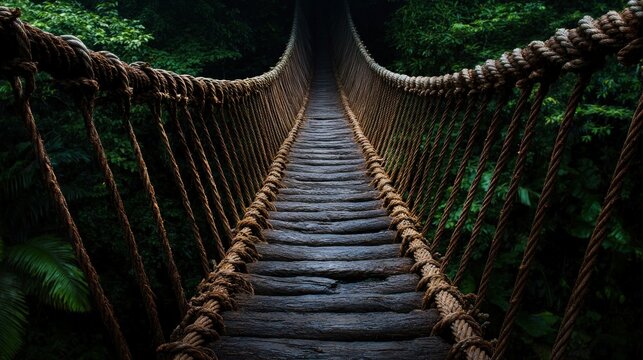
(42, 268)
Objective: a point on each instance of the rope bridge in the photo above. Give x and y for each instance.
(329, 161)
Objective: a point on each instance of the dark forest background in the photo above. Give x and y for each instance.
(45, 312)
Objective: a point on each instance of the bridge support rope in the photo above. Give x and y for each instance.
(404, 125)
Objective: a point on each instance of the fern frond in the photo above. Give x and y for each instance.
(49, 264)
(13, 314)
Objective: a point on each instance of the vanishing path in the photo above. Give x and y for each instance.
(330, 284)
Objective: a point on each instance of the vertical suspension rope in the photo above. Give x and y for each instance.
(539, 217)
(503, 159)
(205, 110)
(158, 91)
(503, 219)
(22, 66)
(86, 103)
(598, 234)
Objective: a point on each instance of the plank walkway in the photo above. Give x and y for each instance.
(330, 284)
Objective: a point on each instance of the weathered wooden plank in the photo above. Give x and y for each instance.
(355, 303)
(298, 238)
(251, 348)
(343, 206)
(333, 197)
(339, 137)
(324, 191)
(389, 285)
(367, 225)
(301, 285)
(326, 215)
(325, 144)
(333, 186)
(330, 326)
(296, 253)
(328, 158)
(358, 269)
(322, 162)
(296, 285)
(328, 169)
(324, 152)
(307, 176)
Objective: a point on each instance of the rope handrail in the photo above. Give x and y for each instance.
(407, 128)
(420, 136)
(568, 50)
(234, 127)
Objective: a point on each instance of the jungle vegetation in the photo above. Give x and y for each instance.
(45, 311)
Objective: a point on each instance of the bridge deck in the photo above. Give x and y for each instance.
(330, 283)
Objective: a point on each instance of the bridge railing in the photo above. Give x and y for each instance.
(424, 138)
(225, 133)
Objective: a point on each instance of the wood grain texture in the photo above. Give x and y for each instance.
(298, 253)
(331, 326)
(422, 348)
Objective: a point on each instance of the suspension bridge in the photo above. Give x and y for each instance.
(317, 183)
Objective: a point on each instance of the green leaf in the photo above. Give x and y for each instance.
(13, 314)
(523, 196)
(538, 325)
(49, 266)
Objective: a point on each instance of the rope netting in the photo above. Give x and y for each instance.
(232, 137)
(422, 135)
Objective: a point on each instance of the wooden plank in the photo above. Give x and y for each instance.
(337, 303)
(323, 177)
(344, 206)
(298, 238)
(367, 225)
(307, 176)
(301, 285)
(359, 269)
(328, 158)
(326, 215)
(324, 191)
(321, 162)
(325, 169)
(296, 285)
(338, 137)
(389, 285)
(251, 348)
(330, 326)
(361, 185)
(303, 150)
(297, 253)
(332, 197)
(326, 144)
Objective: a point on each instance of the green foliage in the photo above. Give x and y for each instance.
(100, 28)
(13, 314)
(435, 37)
(42, 267)
(221, 38)
(48, 262)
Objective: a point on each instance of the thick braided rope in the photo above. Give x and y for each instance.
(203, 322)
(424, 193)
(124, 94)
(567, 50)
(540, 213)
(18, 64)
(505, 153)
(599, 233)
(85, 72)
(436, 170)
(85, 88)
(447, 298)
